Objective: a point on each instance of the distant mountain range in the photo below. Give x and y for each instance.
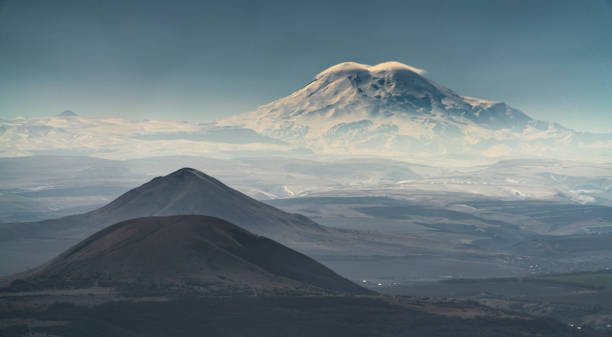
(186, 253)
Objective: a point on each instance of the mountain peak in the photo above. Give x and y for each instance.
(68, 113)
(188, 175)
(189, 191)
(188, 172)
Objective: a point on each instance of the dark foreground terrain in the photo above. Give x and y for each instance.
(183, 254)
(580, 300)
(195, 275)
(53, 315)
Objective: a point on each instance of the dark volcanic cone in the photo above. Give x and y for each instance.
(189, 252)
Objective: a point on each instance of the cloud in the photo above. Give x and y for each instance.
(344, 68)
(399, 138)
(117, 138)
(496, 151)
(598, 145)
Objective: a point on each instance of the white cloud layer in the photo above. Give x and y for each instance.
(117, 138)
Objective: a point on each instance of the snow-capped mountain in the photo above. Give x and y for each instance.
(349, 110)
(392, 89)
(392, 108)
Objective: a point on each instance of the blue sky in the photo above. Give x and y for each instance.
(204, 60)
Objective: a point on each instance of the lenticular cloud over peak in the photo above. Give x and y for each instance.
(354, 67)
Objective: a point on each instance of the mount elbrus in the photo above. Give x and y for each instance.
(392, 109)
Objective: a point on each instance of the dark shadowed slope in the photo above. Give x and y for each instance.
(189, 191)
(187, 253)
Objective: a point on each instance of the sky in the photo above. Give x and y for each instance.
(206, 60)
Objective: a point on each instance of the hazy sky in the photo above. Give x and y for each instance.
(202, 60)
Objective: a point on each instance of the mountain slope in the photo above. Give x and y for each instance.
(186, 191)
(190, 252)
(189, 191)
(389, 89)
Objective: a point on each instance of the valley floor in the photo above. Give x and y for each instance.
(106, 314)
(579, 299)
